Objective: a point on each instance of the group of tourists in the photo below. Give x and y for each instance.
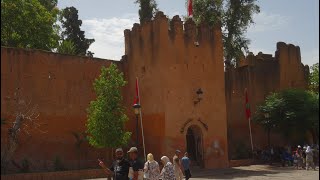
(134, 169)
(306, 157)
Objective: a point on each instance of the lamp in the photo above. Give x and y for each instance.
(136, 108)
(199, 94)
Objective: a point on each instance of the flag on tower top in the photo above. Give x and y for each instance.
(190, 9)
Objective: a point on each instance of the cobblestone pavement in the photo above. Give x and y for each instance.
(254, 172)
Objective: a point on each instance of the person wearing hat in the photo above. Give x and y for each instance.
(119, 168)
(136, 166)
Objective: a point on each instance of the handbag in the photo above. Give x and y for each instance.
(146, 174)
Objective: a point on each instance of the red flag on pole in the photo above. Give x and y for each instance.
(136, 98)
(190, 9)
(248, 112)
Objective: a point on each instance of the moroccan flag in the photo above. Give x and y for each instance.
(190, 10)
(137, 98)
(248, 112)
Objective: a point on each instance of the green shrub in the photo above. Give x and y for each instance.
(58, 165)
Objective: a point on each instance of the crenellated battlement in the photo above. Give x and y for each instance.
(175, 30)
(285, 53)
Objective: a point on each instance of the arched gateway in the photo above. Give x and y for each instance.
(194, 139)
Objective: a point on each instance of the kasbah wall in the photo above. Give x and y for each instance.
(170, 69)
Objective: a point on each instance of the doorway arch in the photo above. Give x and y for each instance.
(194, 141)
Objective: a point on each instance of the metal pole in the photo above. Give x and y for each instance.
(144, 147)
(250, 134)
(137, 130)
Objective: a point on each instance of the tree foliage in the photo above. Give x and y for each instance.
(290, 112)
(49, 4)
(314, 78)
(234, 16)
(28, 24)
(147, 9)
(106, 117)
(66, 47)
(72, 32)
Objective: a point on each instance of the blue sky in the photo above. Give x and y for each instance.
(290, 21)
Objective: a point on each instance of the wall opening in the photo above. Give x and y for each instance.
(194, 143)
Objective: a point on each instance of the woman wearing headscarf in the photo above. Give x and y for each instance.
(151, 168)
(309, 158)
(167, 172)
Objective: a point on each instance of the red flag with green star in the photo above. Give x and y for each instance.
(137, 98)
(248, 112)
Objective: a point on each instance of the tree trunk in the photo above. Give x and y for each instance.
(269, 137)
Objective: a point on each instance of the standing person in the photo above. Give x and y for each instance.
(167, 172)
(316, 156)
(177, 169)
(119, 168)
(136, 166)
(271, 155)
(176, 155)
(151, 168)
(185, 161)
(309, 158)
(304, 156)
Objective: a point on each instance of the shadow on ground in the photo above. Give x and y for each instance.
(240, 172)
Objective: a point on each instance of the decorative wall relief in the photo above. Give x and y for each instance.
(184, 125)
(203, 124)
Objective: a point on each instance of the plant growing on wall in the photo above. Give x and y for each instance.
(106, 117)
(80, 138)
(58, 164)
(25, 120)
(290, 112)
(235, 16)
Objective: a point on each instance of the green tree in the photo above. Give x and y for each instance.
(267, 114)
(291, 112)
(314, 78)
(28, 24)
(147, 9)
(106, 117)
(49, 4)
(234, 16)
(72, 32)
(66, 47)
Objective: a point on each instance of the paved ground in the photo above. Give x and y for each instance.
(255, 172)
(258, 172)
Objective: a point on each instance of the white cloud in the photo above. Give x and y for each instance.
(108, 35)
(268, 22)
(310, 57)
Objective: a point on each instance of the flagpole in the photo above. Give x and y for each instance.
(248, 114)
(144, 148)
(250, 134)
